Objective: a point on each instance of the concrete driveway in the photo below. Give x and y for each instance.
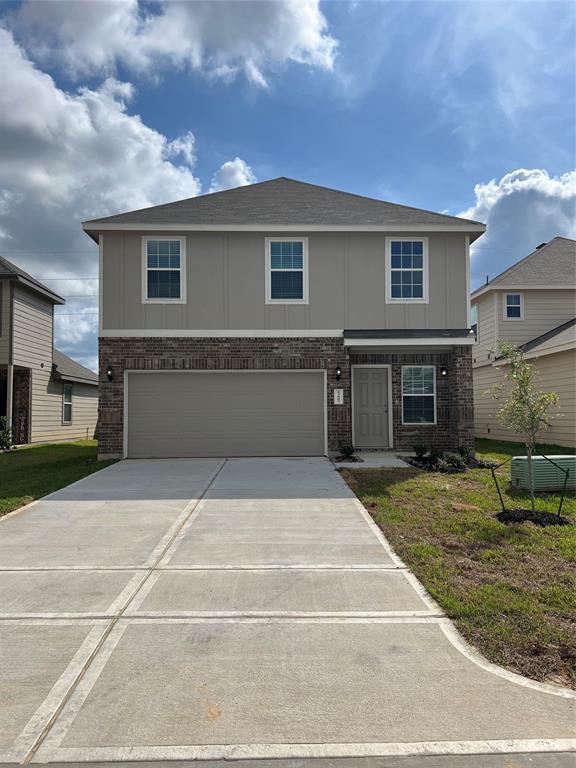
(248, 608)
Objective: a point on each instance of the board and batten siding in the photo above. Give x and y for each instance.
(484, 350)
(32, 348)
(555, 373)
(225, 284)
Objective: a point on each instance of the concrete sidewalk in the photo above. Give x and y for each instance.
(249, 609)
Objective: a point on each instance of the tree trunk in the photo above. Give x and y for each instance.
(530, 477)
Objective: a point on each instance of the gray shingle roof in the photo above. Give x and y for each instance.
(280, 202)
(70, 370)
(9, 271)
(551, 264)
(562, 334)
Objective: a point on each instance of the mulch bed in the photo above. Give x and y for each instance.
(528, 516)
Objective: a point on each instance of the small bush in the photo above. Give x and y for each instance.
(5, 435)
(346, 450)
(466, 453)
(454, 460)
(420, 450)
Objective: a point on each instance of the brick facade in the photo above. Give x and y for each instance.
(454, 392)
(454, 397)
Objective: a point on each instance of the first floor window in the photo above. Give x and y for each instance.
(163, 267)
(419, 394)
(67, 403)
(513, 309)
(287, 267)
(407, 270)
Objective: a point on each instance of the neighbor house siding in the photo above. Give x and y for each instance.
(225, 278)
(4, 322)
(555, 372)
(484, 350)
(32, 348)
(543, 310)
(47, 426)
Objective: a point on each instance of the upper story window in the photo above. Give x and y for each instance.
(67, 404)
(474, 320)
(513, 309)
(286, 271)
(407, 270)
(163, 271)
(418, 394)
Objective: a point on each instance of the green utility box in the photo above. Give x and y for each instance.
(547, 476)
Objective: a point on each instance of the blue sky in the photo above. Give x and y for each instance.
(463, 107)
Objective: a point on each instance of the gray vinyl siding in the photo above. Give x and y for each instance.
(543, 310)
(226, 284)
(32, 348)
(47, 426)
(555, 373)
(4, 322)
(485, 348)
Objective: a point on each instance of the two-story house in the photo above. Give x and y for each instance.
(283, 318)
(45, 396)
(533, 305)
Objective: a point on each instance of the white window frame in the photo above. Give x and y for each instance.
(268, 243)
(505, 305)
(402, 396)
(389, 299)
(67, 402)
(181, 269)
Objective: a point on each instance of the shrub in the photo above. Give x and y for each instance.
(420, 450)
(346, 450)
(453, 460)
(466, 453)
(5, 435)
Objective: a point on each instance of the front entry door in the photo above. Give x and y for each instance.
(371, 408)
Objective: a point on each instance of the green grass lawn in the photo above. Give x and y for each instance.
(27, 474)
(510, 589)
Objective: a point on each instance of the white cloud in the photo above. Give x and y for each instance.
(234, 173)
(73, 156)
(523, 209)
(219, 39)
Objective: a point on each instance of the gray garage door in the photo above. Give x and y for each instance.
(179, 414)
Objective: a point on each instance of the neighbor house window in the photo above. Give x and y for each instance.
(418, 394)
(67, 403)
(407, 273)
(474, 320)
(513, 306)
(286, 271)
(163, 270)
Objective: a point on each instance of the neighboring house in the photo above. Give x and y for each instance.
(532, 305)
(46, 396)
(283, 318)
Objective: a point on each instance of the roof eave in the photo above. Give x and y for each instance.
(54, 298)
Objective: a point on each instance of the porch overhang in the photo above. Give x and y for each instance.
(414, 337)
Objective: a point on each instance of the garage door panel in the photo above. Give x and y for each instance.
(173, 414)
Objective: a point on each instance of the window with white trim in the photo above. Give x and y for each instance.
(66, 403)
(419, 394)
(407, 270)
(163, 269)
(513, 306)
(287, 279)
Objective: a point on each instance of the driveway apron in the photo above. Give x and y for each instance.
(242, 608)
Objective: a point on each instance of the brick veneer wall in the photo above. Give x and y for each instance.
(218, 354)
(454, 397)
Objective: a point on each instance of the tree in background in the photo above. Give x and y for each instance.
(526, 408)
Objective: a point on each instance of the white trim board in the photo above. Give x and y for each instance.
(410, 342)
(125, 227)
(390, 445)
(522, 287)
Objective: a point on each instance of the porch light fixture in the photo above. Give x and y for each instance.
(338, 373)
(109, 375)
(443, 371)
